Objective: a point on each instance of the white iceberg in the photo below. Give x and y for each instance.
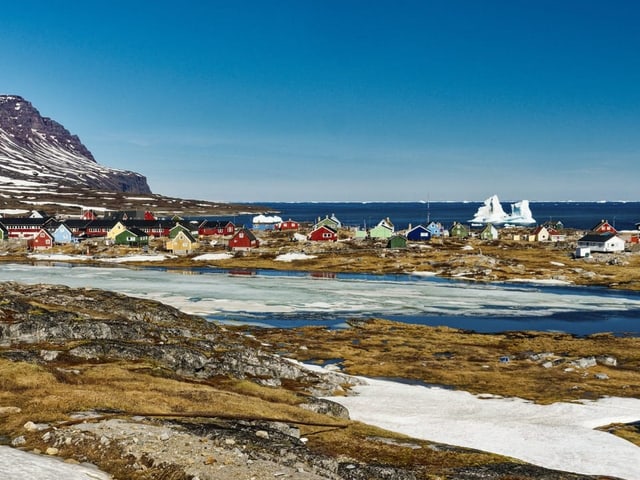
(491, 212)
(266, 219)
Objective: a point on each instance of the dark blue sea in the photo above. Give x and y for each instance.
(578, 215)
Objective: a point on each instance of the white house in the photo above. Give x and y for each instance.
(602, 242)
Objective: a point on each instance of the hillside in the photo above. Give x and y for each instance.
(44, 166)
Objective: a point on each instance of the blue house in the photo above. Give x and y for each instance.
(62, 234)
(436, 229)
(419, 233)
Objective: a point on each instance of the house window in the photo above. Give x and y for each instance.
(241, 235)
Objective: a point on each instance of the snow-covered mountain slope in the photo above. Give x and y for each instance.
(37, 152)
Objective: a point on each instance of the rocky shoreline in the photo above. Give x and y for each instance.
(147, 392)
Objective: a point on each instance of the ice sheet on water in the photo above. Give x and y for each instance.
(219, 293)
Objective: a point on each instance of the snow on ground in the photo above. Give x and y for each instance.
(560, 436)
(541, 281)
(18, 465)
(134, 258)
(57, 257)
(290, 257)
(213, 256)
(424, 274)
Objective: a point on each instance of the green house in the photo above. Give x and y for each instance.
(177, 229)
(132, 237)
(458, 230)
(4, 233)
(397, 241)
(489, 232)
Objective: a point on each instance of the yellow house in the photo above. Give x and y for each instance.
(116, 230)
(182, 244)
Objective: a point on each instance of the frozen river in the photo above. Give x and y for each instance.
(292, 298)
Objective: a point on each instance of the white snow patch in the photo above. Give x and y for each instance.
(290, 257)
(559, 436)
(16, 464)
(135, 258)
(213, 256)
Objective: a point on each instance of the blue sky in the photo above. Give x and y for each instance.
(342, 100)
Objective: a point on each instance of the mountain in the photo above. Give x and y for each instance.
(41, 152)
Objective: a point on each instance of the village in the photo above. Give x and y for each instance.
(142, 230)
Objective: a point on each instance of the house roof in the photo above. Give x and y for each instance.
(597, 237)
(247, 232)
(187, 235)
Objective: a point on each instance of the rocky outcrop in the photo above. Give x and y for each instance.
(38, 151)
(100, 325)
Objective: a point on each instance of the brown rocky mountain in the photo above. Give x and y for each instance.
(44, 167)
(38, 150)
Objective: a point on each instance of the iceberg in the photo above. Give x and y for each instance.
(491, 211)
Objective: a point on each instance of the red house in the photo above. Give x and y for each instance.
(42, 241)
(323, 234)
(288, 225)
(604, 227)
(243, 240)
(223, 228)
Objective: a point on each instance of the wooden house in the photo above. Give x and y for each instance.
(177, 228)
(182, 244)
(602, 242)
(331, 222)
(435, 229)
(218, 228)
(4, 233)
(243, 239)
(397, 241)
(556, 236)
(62, 234)
(323, 234)
(419, 233)
(133, 237)
(43, 240)
(288, 225)
(116, 230)
(604, 227)
(384, 229)
(98, 228)
(541, 234)
(89, 215)
(23, 227)
(458, 230)
(489, 232)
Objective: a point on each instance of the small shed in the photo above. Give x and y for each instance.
(397, 241)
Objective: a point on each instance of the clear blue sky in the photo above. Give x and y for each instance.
(342, 100)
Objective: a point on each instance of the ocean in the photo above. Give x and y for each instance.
(578, 215)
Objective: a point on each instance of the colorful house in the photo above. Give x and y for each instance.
(323, 234)
(62, 234)
(23, 227)
(489, 232)
(4, 233)
(221, 227)
(43, 240)
(182, 244)
(116, 230)
(602, 242)
(288, 225)
(243, 240)
(133, 237)
(177, 228)
(458, 230)
(331, 222)
(98, 228)
(604, 227)
(384, 229)
(419, 233)
(435, 229)
(541, 234)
